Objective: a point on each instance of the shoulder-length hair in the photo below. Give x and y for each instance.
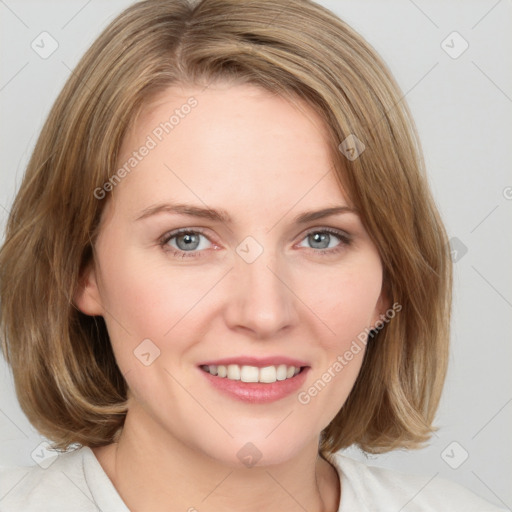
(65, 374)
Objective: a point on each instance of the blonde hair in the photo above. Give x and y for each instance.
(65, 374)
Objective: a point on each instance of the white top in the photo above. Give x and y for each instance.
(76, 482)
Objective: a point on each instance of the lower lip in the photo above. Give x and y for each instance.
(257, 392)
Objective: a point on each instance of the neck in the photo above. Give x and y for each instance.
(152, 470)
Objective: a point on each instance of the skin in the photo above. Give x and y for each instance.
(264, 161)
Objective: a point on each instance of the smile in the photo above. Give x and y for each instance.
(247, 373)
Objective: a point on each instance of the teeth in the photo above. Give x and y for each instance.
(249, 374)
(267, 375)
(233, 372)
(282, 372)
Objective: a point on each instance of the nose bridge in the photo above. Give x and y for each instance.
(262, 300)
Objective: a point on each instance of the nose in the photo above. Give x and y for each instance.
(262, 300)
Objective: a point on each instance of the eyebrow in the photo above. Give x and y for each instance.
(221, 215)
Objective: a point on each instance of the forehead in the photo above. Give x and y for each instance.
(228, 143)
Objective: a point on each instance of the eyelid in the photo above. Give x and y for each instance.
(175, 232)
(344, 237)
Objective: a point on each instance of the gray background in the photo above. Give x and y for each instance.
(462, 107)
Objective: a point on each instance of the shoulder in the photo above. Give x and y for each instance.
(57, 487)
(373, 488)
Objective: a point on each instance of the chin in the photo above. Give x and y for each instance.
(257, 451)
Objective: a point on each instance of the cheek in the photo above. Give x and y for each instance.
(150, 312)
(348, 302)
(148, 299)
(348, 307)
(151, 297)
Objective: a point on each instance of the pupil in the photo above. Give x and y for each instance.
(189, 241)
(321, 239)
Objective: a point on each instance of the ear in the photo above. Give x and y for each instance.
(87, 296)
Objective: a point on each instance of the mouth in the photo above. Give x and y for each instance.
(248, 373)
(256, 380)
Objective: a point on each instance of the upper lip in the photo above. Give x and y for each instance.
(260, 362)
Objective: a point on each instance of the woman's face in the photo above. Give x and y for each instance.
(255, 279)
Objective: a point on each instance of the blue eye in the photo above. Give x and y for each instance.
(190, 243)
(326, 238)
(184, 241)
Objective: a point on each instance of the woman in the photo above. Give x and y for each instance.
(224, 265)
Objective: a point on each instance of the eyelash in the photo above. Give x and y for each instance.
(344, 238)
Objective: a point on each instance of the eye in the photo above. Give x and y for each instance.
(183, 241)
(326, 238)
(186, 242)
